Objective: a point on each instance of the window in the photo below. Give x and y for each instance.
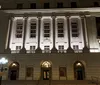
(46, 29)
(32, 47)
(98, 26)
(96, 4)
(73, 5)
(74, 26)
(59, 5)
(60, 26)
(61, 47)
(46, 5)
(33, 5)
(47, 49)
(75, 47)
(19, 6)
(29, 71)
(33, 29)
(19, 28)
(62, 71)
(18, 47)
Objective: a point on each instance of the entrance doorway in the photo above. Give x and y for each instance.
(46, 70)
(79, 72)
(14, 71)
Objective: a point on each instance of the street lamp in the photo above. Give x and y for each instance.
(2, 62)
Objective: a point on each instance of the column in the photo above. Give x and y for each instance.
(7, 49)
(23, 50)
(54, 50)
(83, 20)
(38, 50)
(69, 50)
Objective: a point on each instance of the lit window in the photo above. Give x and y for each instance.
(60, 26)
(19, 28)
(32, 29)
(46, 64)
(46, 29)
(74, 26)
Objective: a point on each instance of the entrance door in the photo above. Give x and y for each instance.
(13, 74)
(14, 71)
(46, 74)
(79, 74)
(79, 71)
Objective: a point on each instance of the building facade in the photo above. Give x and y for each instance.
(50, 40)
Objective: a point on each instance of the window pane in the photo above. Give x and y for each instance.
(62, 71)
(29, 72)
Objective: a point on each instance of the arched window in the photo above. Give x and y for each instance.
(79, 71)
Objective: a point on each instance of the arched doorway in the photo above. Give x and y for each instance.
(13, 71)
(79, 71)
(46, 70)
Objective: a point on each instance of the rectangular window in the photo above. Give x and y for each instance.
(60, 27)
(96, 4)
(46, 49)
(19, 6)
(18, 48)
(74, 26)
(19, 28)
(75, 47)
(62, 71)
(33, 5)
(29, 71)
(33, 29)
(73, 5)
(46, 5)
(32, 47)
(46, 29)
(61, 47)
(59, 5)
(98, 26)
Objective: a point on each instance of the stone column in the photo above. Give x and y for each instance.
(69, 50)
(38, 50)
(23, 50)
(54, 50)
(7, 49)
(83, 20)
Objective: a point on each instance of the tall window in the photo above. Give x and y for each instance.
(60, 26)
(32, 49)
(19, 28)
(46, 29)
(33, 5)
(73, 5)
(59, 5)
(98, 26)
(46, 5)
(29, 72)
(19, 6)
(74, 26)
(32, 29)
(62, 71)
(75, 47)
